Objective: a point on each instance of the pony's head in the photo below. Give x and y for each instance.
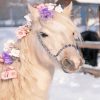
(55, 32)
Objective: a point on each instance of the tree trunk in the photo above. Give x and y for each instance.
(64, 3)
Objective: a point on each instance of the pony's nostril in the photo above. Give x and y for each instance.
(67, 62)
(68, 65)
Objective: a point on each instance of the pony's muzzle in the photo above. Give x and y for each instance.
(68, 66)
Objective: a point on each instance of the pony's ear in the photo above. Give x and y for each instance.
(34, 13)
(67, 10)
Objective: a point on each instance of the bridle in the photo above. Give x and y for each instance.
(59, 51)
(66, 46)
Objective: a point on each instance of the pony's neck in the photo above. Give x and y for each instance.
(38, 62)
(41, 55)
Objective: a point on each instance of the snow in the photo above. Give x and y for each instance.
(76, 86)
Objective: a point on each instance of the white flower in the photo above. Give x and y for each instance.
(51, 6)
(9, 45)
(14, 52)
(59, 9)
(28, 17)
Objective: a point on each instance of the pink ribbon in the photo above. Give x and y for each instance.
(8, 73)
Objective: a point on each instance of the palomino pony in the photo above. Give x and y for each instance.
(49, 43)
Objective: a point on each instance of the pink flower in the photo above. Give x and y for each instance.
(1, 59)
(8, 73)
(22, 31)
(40, 6)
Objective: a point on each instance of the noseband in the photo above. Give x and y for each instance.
(48, 51)
(66, 46)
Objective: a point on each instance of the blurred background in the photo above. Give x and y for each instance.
(12, 12)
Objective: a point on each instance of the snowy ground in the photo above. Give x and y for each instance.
(75, 86)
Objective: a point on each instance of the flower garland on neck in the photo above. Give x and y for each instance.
(8, 56)
(47, 10)
(11, 53)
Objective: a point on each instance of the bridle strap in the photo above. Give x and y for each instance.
(45, 47)
(66, 46)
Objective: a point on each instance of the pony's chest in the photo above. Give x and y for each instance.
(44, 78)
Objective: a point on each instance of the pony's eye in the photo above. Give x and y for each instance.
(43, 34)
(73, 33)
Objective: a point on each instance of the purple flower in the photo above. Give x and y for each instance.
(7, 58)
(45, 13)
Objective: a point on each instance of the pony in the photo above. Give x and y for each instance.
(49, 44)
(90, 55)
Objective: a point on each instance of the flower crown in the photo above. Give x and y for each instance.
(47, 10)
